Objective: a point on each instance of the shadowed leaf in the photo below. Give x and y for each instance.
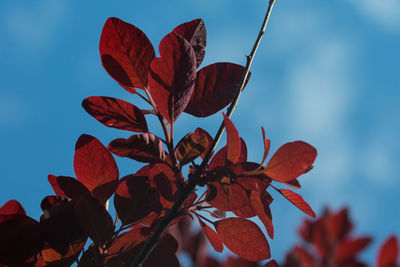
(244, 238)
(94, 219)
(172, 76)
(67, 187)
(216, 86)
(134, 199)
(195, 33)
(20, 239)
(116, 113)
(60, 227)
(126, 53)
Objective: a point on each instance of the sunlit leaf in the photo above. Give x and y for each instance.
(261, 202)
(12, 207)
(298, 201)
(267, 145)
(191, 146)
(126, 53)
(116, 113)
(244, 238)
(290, 161)
(212, 236)
(142, 147)
(95, 167)
(388, 252)
(172, 76)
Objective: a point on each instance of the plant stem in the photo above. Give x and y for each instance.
(186, 191)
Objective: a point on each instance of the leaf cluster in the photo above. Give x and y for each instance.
(160, 193)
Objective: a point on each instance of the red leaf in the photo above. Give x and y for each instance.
(228, 197)
(212, 236)
(195, 33)
(261, 202)
(127, 241)
(172, 76)
(61, 230)
(337, 225)
(20, 239)
(134, 199)
(238, 262)
(244, 238)
(349, 249)
(67, 187)
(271, 263)
(54, 258)
(388, 252)
(267, 145)
(232, 141)
(220, 158)
(126, 53)
(163, 179)
(94, 219)
(216, 86)
(304, 257)
(12, 207)
(290, 161)
(95, 167)
(116, 113)
(142, 147)
(192, 145)
(298, 201)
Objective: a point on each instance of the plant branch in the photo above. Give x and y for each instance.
(185, 192)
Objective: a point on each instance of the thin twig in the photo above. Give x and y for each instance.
(183, 194)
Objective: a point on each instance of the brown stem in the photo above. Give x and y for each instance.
(185, 192)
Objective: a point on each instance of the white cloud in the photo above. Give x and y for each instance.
(34, 24)
(321, 90)
(384, 12)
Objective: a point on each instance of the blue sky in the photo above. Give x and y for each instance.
(326, 73)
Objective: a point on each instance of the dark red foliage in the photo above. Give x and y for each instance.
(388, 255)
(330, 236)
(135, 198)
(195, 33)
(172, 76)
(216, 86)
(116, 113)
(76, 226)
(126, 53)
(143, 147)
(95, 167)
